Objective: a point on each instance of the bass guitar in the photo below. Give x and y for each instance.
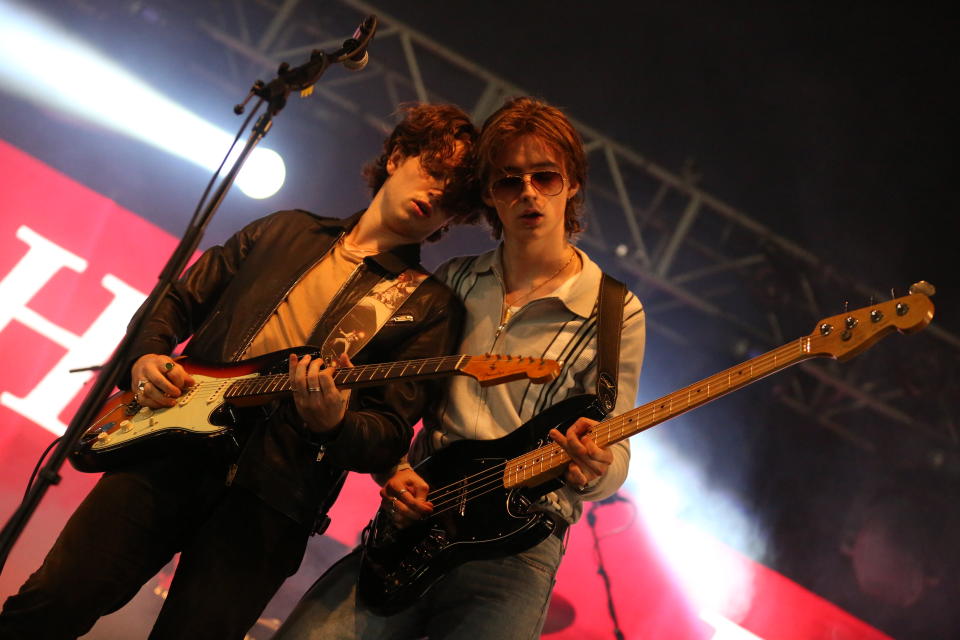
(482, 491)
(124, 430)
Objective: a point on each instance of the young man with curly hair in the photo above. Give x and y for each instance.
(240, 514)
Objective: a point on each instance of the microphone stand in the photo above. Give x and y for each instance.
(601, 567)
(274, 94)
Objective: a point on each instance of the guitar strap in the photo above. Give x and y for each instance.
(350, 335)
(609, 323)
(370, 313)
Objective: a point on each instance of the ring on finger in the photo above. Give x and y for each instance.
(401, 492)
(313, 389)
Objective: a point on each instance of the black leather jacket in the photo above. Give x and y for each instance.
(225, 298)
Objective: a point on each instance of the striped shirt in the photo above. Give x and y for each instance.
(561, 326)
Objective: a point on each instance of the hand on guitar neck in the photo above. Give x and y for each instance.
(588, 461)
(158, 380)
(319, 402)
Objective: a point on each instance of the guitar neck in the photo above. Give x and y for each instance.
(540, 465)
(350, 377)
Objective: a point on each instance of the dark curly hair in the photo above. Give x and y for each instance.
(432, 131)
(529, 116)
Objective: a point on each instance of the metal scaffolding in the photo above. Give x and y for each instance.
(736, 286)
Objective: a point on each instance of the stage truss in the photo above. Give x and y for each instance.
(734, 286)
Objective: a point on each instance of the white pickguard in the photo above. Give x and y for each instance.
(191, 413)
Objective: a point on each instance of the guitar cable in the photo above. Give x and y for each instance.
(36, 469)
(601, 567)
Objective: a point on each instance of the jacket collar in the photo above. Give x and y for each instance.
(580, 298)
(390, 263)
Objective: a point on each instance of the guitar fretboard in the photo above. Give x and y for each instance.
(351, 376)
(546, 459)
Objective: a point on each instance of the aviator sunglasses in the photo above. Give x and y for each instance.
(547, 182)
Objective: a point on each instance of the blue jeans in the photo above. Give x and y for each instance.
(500, 599)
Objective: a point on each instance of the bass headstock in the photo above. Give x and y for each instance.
(845, 335)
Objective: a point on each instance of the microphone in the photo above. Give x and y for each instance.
(356, 57)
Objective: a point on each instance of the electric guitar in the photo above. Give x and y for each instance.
(125, 430)
(482, 490)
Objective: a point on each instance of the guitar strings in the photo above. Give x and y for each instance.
(358, 370)
(448, 496)
(467, 488)
(482, 482)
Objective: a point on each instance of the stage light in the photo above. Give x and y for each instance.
(682, 512)
(43, 62)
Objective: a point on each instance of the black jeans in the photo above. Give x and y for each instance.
(235, 553)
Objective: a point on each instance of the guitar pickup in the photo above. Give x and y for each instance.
(215, 396)
(185, 398)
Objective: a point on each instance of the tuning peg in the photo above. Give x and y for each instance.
(892, 293)
(923, 287)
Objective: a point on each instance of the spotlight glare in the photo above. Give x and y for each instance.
(680, 508)
(44, 63)
(262, 175)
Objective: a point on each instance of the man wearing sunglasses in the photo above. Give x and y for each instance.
(535, 294)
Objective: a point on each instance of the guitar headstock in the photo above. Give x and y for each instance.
(493, 369)
(845, 335)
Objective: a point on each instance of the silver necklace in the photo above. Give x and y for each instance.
(507, 313)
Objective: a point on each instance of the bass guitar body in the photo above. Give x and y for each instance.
(482, 491)
(475, 516)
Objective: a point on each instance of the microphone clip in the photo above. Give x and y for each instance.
(353, 55)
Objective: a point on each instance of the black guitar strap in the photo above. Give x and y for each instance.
(609, 323)
(358, 325)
